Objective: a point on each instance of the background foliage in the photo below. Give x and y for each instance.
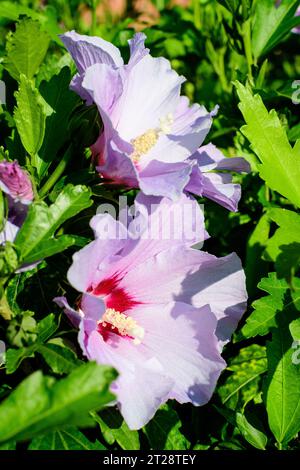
(238, 54)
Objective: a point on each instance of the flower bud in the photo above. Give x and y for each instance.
(15, 182)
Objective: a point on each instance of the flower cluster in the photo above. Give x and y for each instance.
(154, 307)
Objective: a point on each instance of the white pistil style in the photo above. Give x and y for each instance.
(125, 325)
(145, 142)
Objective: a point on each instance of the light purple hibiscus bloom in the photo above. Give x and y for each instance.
(156, 309)
(152, 136)
(16, 183)
(297, 29)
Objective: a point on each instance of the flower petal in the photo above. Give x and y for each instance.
(184, 340)
(164, 179)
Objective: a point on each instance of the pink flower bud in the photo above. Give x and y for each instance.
(15, 182)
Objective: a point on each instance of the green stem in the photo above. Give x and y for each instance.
(57, 172)
(94, 17)
(246, 33)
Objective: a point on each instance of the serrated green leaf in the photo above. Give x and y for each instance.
(163, 431)
(26, 49)
(41, 404)
(30, 118)
(69, 439)
(282, 391)
(272, 23)
(264, 316)
(36, 236)
(280, 163)
(247, 368)
(115, 429)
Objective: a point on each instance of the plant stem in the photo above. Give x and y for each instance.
(57, 172)
(94, 17)
(246, 33)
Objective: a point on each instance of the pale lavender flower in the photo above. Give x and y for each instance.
(150, 130)
(156, 309)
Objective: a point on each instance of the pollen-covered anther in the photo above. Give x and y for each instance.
(124, 324)
(143, 144)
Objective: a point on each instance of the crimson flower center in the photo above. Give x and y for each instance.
(120, 324)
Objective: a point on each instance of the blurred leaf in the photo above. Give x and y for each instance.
(26, 49)
(265, 309)
(280, 163)
(163, 431)
(62, 100)
(114, 429)
(272, 23)
(30, 118)
(69, 439)
(246, 368)
(41, 403)
(36, 239)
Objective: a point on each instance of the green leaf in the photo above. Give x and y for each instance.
(62, 360)
(284, 246)
(57, 94)
(44, 330)
(26, 49)
(254, 436)
(243, 383)
(41, 404)
(264, 316)
(272, 23)
(255, 267)
(280, 163)
(295, 329)
(36, 236)
(30, 118)
(282, 395)
(163, 431)
(114, 429)
(68, 439)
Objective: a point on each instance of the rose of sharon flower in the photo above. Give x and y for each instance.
(16, 183)
(152, 137)
(154, 308)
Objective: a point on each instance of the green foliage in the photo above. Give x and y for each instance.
(36, 239)
(280, 301)
(164, 430)
(41, 403)
(282, 395)
(271, 24)
(30, 119)
(269, 141)
(114, 429)
(68, 439)
(26, 49)
(243, 384)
